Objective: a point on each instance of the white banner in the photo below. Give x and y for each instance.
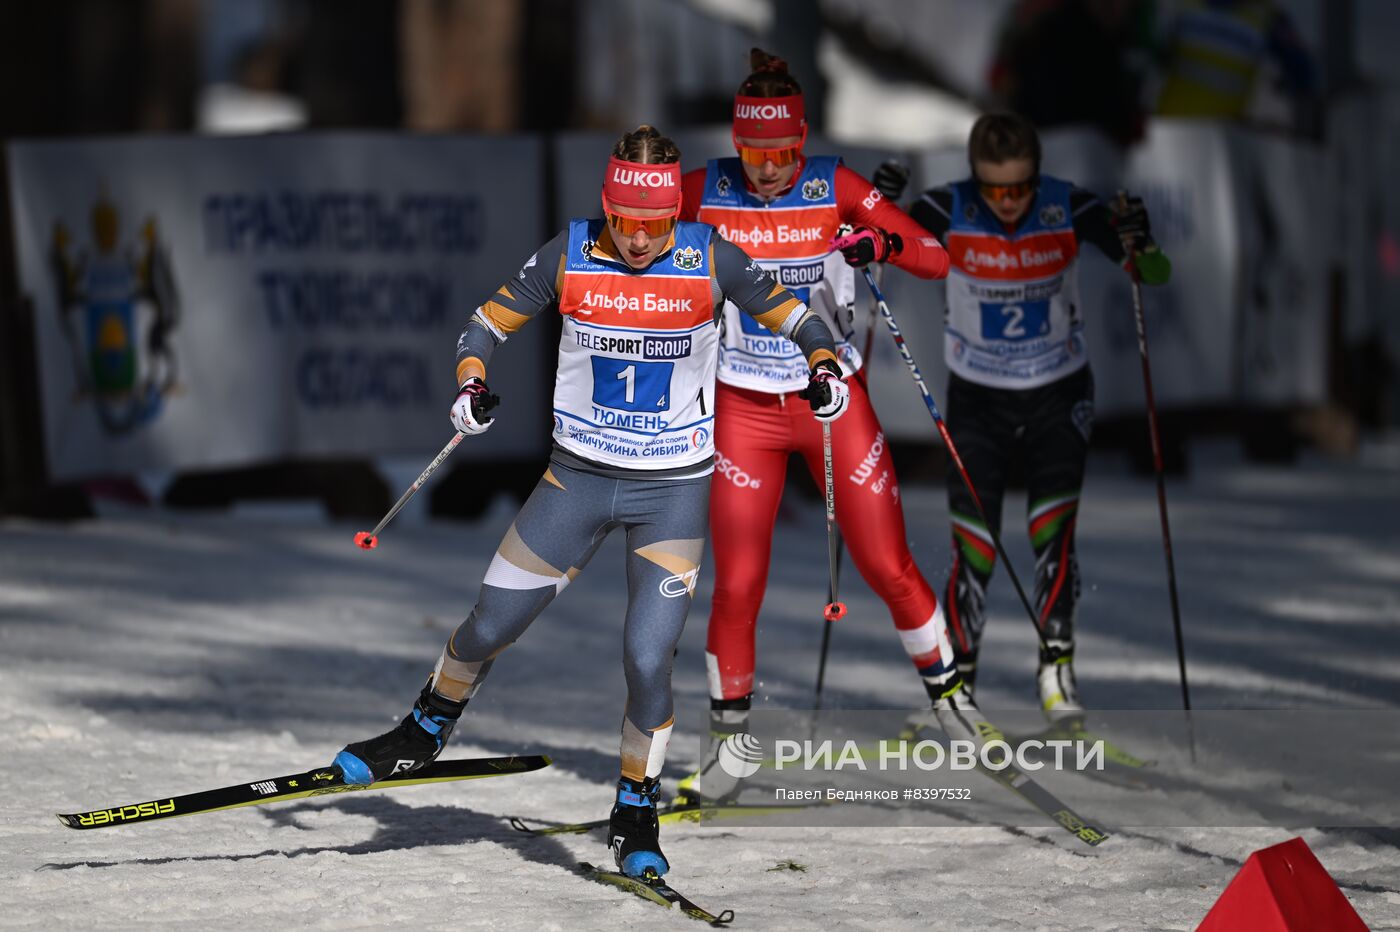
(1186, 175)
(1283, 310)
(204, 302)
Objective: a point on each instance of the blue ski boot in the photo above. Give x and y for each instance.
(417, 741)
(633, 829)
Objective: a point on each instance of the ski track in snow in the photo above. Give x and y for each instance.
(152, 653)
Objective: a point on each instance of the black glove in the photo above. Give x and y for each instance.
(865, 245)
(826, 392)
(891, 178)
(1130, 221)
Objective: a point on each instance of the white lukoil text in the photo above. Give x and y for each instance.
(872, 458)
(641, 179)
(761, 112)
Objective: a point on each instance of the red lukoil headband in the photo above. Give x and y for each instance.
(643, 187)
(769, 117)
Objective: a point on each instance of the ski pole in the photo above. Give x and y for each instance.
(840, 540)
(870, 339)
(370, 539)
(835, 609)
(1155, 435)
(952, 450)
(865, 361)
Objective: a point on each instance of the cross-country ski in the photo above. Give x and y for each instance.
(321, 782)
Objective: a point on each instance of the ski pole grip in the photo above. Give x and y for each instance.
(850, 239)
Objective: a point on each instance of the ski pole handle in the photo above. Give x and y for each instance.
(841, 242)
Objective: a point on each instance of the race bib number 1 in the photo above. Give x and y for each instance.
(631, 385)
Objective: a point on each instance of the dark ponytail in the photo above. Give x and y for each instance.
(769, 77)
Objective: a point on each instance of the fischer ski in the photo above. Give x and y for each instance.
(678, 811)
(657, 890)
(320, 782)
(1074, 730)
(1038, 796)
(1047, 802)
(1025, 786)
(1121, 768)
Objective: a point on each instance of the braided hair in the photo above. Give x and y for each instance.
(646, 146)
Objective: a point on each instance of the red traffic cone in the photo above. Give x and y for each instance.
(1282, 889)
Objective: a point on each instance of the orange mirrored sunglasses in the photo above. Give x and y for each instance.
(628, 226)
(779, 157)
(1015, 190)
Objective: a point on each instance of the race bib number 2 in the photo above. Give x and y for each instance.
(1024, 321)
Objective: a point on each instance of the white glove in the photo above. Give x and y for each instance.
(826, 393)
(474, 400)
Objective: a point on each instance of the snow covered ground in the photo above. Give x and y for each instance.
(151, 653)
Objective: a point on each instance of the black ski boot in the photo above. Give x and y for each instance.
(967, 599)
(967, 669)
(957, 714)
(417, 740)
(633, 829)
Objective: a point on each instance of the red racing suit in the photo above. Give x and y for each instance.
(759, 421)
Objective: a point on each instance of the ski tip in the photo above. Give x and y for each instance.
(1093, 836)
(365, 540)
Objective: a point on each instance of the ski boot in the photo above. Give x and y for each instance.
(1054, 680)
(967, 599)
(417, 741)
(710, 784)
(967, 668)
(633, 829)
(957, 714)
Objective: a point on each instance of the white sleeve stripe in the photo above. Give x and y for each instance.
(490, 327)
(794, 320)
